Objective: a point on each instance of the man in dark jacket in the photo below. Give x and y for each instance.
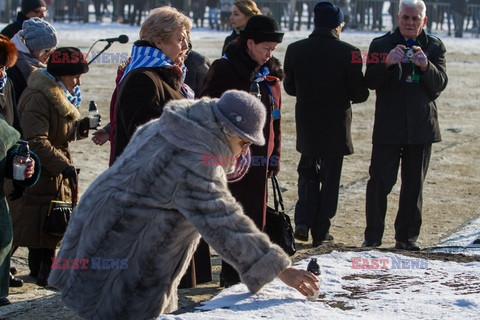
(30, 9)
(324, 86)
(407, 70)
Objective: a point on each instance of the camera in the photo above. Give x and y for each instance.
(409, 54)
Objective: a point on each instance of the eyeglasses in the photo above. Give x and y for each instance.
(246, 145)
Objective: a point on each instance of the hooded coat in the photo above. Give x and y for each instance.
(148, 211)
(49, 123)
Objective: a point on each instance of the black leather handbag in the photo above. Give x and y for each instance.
(278, 225)
(59, 213)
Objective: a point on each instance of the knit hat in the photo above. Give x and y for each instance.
(327, 15)
(242, 113)
(262, 28)
(38, 34)
(67, 61)
(31, 5)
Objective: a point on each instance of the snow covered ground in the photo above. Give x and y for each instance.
(366, 285)
(397, 287)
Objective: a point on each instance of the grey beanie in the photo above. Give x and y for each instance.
(242, 113)
(31, 5)
(38, 34)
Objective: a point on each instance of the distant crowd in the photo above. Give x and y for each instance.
(456, 16)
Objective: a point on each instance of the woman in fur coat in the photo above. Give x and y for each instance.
(137, 226)
(50, 120)
(249, 62)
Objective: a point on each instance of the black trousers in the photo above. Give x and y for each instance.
(383, 171)
(318, 186)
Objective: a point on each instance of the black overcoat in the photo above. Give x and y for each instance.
(320, 72)
(406, 112)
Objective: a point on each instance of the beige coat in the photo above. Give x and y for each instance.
(48, 121)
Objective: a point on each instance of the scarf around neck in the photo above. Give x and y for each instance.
(150, 57)
(75, 98)
(3, 82)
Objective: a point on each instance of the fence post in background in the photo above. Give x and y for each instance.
(291, 18)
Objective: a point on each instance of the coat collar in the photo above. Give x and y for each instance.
(398, 38)
(39, 81)
(323, 32)
(245, 65)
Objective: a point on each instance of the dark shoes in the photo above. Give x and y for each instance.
(301, 232)
(4, 301)
(227, 283)
(43, 274)
(371, 244)
(15, 282)
(407, 245)
(328, 238)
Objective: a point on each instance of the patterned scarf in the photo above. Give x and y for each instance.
(3, 82)
(148, 57)
(75, 98)
(262, 73)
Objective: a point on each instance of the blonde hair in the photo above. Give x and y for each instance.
(247, 7)
(162, 23)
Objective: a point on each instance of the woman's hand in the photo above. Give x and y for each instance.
(301, 280)
(30, 169)
(100, 137)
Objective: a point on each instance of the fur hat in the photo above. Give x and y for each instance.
(67, 61)
(242, 113)
(327, 15)
(38, 34)
(8, 52)
(31, 5)
(262, 28)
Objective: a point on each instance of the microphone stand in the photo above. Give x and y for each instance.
(109, 44)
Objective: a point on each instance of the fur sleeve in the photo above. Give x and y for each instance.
(210, 207)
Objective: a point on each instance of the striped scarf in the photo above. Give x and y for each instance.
(75, 98)
(148, 57)
(3, 82)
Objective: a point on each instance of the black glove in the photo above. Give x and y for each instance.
(17, 192)
(70, 173)
(83, 126)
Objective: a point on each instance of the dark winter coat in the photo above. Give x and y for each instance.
(197, 67)
(141, 96)
(406, 113)
(229, 39)
(237, 72)
(147, 212)
(8, 150)
(11, 29)
(49, 123)
(319, 71)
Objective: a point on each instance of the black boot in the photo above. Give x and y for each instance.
(43, 274)
(34, 261)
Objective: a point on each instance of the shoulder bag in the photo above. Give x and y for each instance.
(278, 225)
(59, 213)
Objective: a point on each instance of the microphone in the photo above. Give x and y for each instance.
(121, 38)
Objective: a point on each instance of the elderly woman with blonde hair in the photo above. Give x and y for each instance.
(242, 10)
(155, 73)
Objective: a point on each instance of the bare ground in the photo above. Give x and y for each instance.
(451, 195)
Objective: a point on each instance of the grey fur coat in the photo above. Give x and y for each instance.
(147, 213)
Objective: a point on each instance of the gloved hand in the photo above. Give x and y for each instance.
(83, 126)
(17, 192)
(70, 173)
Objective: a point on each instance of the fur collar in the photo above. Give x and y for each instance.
(39, 81)
(246, 66)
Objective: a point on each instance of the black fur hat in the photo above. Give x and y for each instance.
(262, 28)
(67, 61)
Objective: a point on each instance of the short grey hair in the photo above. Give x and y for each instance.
(162, 23)
(414, 4)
